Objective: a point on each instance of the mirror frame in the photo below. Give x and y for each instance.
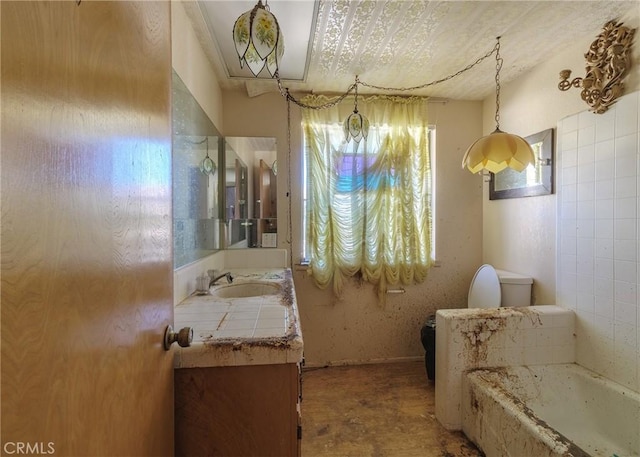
(545, 140)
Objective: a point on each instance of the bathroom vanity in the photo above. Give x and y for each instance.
(237, 387)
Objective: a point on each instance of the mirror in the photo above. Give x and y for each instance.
(195, 169)
(250, 192)
(536, 179)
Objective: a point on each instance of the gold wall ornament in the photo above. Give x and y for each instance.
(608, 62)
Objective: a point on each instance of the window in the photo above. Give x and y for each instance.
(368, 208)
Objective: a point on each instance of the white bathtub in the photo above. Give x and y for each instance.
(549, 410)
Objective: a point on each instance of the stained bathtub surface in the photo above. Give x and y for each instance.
(559, 410)
(475, 338)
(252, 321)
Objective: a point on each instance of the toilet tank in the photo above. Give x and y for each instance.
(515, 288)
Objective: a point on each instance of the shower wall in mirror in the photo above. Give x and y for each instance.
(196, 159)
(250, 192)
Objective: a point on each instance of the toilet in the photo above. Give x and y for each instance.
(489, 288)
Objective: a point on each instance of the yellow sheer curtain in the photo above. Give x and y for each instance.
(369, 204)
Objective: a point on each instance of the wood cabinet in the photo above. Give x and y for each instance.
(250, 410)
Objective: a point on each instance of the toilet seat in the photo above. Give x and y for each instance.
(484, 291)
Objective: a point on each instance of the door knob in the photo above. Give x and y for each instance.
(183, 337)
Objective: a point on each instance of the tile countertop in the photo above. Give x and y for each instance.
(256, 330)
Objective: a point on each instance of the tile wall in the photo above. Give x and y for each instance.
(598, 249)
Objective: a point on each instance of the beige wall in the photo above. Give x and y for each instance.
(519, 234)
(356, 328)
(192, 65)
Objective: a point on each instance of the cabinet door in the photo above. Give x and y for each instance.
(86, 228)
(241, 411)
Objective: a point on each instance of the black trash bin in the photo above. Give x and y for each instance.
(428, 338)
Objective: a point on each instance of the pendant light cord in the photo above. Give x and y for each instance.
(289, 239)
(498, 68)
(437, 81)
(354, 87)
(355, 107)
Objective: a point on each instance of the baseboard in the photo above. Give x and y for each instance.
(338, 363)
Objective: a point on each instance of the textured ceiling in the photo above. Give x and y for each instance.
(395, 43)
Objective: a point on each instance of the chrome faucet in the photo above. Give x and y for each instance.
(217, 278)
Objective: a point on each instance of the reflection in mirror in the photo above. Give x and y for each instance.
(196, 145)
(235, 185)
(250, 192)
(536, 179)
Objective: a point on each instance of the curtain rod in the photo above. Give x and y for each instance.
(364, 96)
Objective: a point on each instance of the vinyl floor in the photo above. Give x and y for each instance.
(377, 410)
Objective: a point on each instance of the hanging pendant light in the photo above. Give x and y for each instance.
(356, 126)
(258, 40)
(498, 150)
(207, 166)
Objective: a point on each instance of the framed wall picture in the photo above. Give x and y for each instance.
(536, 179)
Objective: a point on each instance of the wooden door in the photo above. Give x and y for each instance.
(86, 281)
(264, 190)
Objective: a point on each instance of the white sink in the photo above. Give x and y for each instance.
(247, 289)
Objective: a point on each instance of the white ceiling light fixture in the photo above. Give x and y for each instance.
(258, 40)
(499, 149)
